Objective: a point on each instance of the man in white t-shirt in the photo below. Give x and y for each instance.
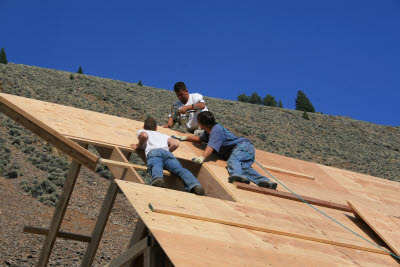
(158, 148)
(192, 104)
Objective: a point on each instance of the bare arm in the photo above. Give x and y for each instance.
(207, 152)
(194, 139)
(194, 107)
(169, 124)
(172, 144)
(143, 137)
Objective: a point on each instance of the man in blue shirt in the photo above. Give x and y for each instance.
(229, 147)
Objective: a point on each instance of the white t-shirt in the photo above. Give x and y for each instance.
(155, 140)
(193, 99)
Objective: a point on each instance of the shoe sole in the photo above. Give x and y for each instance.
(158, 182)
(199, 191)
(239, 179)
(269, 185)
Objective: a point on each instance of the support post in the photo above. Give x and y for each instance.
(105, 210)
(130, 254)
(59, 213)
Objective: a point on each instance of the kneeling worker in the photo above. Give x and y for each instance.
(226, 145)
(186, 109)
(158, 148)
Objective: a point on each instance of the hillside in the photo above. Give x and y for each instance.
(335, 141)
(30, 167)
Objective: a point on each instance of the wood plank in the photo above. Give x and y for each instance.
(130, 254)
(212, 186)
(139, 233)
(93, 142)
(60, 234)
(109, 162)
(297, 174)
(130, 173)
(233, 221)
(59, 212)
(197, 243)
(276, 193)
(387, 227)
(49, 134)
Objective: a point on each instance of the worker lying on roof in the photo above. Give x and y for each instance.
(158, 148)
(229, 147)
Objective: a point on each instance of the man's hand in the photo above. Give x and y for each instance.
(180, 138)
(184, 109)
(135, 147)
(169, 124)
(198, 160)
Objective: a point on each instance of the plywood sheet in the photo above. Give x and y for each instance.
(386, 226)
(197, 243)
(74, 122)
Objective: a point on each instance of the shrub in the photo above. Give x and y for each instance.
(71, 77)
(255, 99)
(269, 100)
(305, 116)
(244, 98)
(12, 174)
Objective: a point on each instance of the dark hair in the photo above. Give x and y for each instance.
(150, 124)
(206, 118)
(179, 86)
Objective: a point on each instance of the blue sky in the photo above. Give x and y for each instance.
(345, 55)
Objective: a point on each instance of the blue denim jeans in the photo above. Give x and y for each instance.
(158, 159)
(239, 163)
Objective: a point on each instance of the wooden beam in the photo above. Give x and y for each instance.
(262, 228)
(130, 254)
(98, 143)
(107, 205)
(42, 130)
(110, 162)
(60, 234)
(131, 174)
(139, 233)
(59, 212)
(385, 226)
(212, 185)
(276, 193)
(297, 174)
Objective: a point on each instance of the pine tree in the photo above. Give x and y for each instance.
(303, 103)
(3, 57)
(280, 104)
(140, 83)
(244, 98)
(80, 70)
(269, 100)
(255, 98)
(71, 77)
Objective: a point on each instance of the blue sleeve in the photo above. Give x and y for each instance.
(204, 137)
(217, 138)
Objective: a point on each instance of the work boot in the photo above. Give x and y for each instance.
(239, 179)
(198, 190)
(159, 182)
(268, 184)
